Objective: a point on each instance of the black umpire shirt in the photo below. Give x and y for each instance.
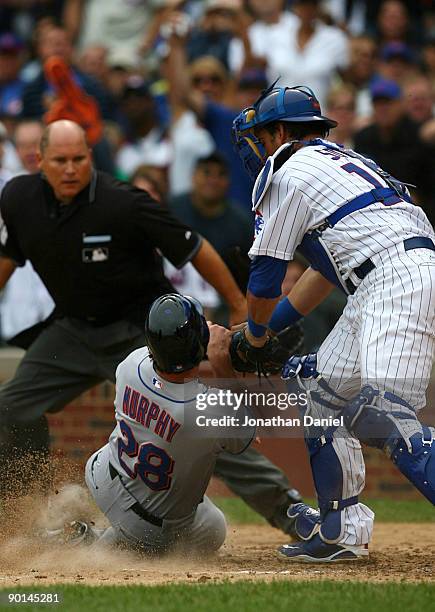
(97, 255)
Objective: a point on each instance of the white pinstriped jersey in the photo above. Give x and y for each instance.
(164, 462)
(312, 184)
(385, 337)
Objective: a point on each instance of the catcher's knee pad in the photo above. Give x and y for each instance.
(408, 443)
(366, 421)
(329, 480)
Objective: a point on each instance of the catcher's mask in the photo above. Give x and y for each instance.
(288, 104)
(177, 333)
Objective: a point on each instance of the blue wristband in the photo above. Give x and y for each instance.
(256, 329)
(285, 314)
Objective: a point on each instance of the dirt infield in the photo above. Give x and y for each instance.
(400, 552)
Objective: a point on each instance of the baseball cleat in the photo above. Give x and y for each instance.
(318, 551)
(74, 533)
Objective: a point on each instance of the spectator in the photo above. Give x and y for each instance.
(341, 107)
(23, 16)
(271, 23)
(350, 15)
(215, 31)
(419, 99)
(189, 142)
(5, 174)
(93, 62)
(305, 50)
(393, 140)
(38, 94)
(186, 280)
(393, 24)
(209, 211)
(152, 180)
(27, 137)
(25, 301)
(398, 62)
(118, 72)
(118, 25)
(204, 93)
(189, 139)
(361, 72)
(148, 142)
(11, 85)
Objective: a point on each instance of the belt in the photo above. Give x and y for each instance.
(418, 242)
(137, 508)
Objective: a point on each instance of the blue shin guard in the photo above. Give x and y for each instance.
(409, 444)
(326, 466)
(329, 482)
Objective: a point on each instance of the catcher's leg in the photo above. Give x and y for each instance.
(336, 458)
(260, 483)
(386, 421)
(398, 348)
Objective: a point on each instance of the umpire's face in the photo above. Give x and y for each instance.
(66, 160)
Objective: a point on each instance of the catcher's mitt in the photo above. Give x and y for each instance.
(270, 358)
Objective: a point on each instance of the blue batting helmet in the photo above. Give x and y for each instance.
(177, 333)
(288, 104)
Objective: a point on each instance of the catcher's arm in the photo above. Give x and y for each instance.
(306, 294)
(309, 291)
(252, 351)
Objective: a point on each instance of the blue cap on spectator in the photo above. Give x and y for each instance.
(9, 43)
(397, 50)
(253, 77)
(384, 88)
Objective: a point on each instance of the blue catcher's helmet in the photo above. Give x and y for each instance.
(289, 104)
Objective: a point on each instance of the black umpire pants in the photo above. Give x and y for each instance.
(69, 357)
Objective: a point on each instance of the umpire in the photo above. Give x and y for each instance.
(92, 241)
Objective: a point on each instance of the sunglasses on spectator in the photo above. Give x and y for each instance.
(206, 78)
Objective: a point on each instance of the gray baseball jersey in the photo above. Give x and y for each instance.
(165, 463)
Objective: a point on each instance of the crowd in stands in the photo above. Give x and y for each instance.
(167, 77)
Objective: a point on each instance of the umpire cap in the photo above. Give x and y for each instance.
(177, 333)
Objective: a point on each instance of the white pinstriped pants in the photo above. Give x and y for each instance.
(384, 338)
